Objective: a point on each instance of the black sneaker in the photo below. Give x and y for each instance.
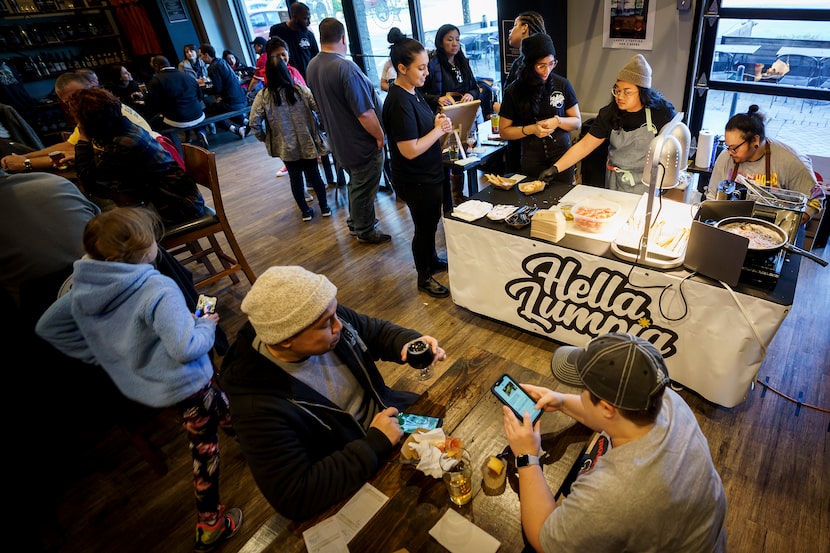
(373, 237)
(325, 211)
(307, 215)
(353, 232)
(433, 288)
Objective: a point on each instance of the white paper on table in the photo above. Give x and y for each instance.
(325, 537)
(465, 161)
(359, 510)
(459, 535)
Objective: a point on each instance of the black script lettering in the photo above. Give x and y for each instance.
(558, 291)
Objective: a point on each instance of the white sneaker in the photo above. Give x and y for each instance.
(282, 172)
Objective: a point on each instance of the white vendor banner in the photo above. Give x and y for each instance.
(572, 297)
(629, 24)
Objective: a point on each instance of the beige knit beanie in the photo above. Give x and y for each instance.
(285, 301)
(637, 71)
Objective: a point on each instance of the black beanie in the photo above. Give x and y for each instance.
(536, 47)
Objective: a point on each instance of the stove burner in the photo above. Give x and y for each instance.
(762, 269)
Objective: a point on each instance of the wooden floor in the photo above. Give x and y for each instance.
(772, 455)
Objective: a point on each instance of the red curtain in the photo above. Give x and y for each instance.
(136, 26)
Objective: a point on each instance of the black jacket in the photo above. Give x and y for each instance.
(305, 452)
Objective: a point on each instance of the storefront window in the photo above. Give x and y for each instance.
(756, 53)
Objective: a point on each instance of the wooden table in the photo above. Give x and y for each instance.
(462, 397)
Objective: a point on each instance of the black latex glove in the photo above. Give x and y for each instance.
(549, 174)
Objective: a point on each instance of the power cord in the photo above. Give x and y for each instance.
(785, 396)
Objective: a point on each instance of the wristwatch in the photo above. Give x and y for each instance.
(526, 460)
(27, 163)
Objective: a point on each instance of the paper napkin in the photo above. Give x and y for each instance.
(459, 535)
(428, 454)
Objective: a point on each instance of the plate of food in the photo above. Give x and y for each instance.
(501, 211)
(504, 183)
(532, 187)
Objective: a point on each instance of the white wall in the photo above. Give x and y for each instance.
(592, 69)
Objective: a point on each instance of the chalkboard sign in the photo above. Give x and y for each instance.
(175, 10)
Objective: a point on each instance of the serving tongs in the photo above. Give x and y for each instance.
(521, 217)
(764, 197)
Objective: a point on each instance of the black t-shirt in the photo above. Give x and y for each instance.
(558, 97)
(407, 117)
(629, 121)
(302, 46)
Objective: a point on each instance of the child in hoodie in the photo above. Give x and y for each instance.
(125, 316)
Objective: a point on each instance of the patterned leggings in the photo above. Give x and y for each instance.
(203, 414)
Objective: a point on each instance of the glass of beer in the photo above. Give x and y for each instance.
(457, 466)
(57, 160)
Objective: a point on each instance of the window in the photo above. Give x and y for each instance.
(758, 52)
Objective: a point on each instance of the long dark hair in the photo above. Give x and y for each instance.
(461, 60)
(750, 124)
(279, 79)
(649, 97)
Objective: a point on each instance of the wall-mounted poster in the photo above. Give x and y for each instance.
(175, 10)
(629, 24)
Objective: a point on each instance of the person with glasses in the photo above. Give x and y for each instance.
(540, 110)
(764, 161)
(629, 122)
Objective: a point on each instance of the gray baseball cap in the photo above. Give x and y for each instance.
(624, 370)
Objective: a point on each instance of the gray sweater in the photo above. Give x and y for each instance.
(290, 131)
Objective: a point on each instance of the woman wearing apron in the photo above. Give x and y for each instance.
(540, 110)
(764, 161)
(629, 123)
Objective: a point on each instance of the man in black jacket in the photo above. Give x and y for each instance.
(224, 85)
(176, 98)
(314, 418)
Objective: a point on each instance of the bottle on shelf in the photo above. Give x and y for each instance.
(24, 36)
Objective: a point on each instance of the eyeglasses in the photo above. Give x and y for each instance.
(734, 149)
(543, 66)
(617, 93)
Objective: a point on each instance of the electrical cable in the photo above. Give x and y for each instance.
(785, 396)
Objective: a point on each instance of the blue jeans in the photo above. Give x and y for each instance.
(363, 188)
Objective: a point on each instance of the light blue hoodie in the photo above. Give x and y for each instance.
(134, 322)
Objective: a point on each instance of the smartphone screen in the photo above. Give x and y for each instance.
(410, 422)
(511, 394)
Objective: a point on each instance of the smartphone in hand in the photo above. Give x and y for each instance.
(410, 422)
(205, 305)
(511, 394)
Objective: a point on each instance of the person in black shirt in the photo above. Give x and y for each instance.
(540, 109)
(629, 123)
(414, 138)
(302, 46)
(226, 88)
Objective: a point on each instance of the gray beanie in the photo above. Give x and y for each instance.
(536, 47)
(284, 301)
(637, 71)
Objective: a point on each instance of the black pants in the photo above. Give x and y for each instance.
(424, 202)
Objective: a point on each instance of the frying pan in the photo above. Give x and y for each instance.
(783, 242)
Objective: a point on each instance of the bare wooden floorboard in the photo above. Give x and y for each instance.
(774, 463)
